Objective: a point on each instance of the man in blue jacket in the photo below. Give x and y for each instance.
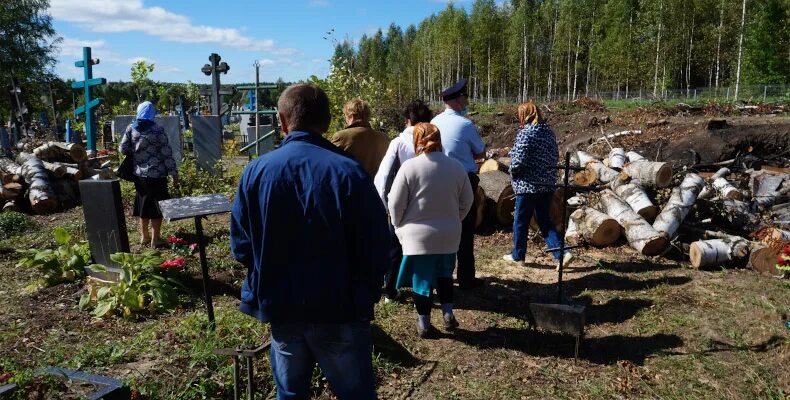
(311, 230)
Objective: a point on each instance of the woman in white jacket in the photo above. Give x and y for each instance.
(400, 149)
(430, 196)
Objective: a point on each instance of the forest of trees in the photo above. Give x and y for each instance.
(564, 49)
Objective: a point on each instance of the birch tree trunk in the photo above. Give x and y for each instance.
(740, 52)
(658, 48)
(718, 44)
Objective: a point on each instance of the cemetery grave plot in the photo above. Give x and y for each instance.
(655, 328)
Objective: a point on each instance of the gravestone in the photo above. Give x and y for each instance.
(104, 222)
(266, 145)
(171, 125)
(206, 141)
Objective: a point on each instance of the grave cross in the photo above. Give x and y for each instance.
(213, 70)
(88, 106)
(20, 119)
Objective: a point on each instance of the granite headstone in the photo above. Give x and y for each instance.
(171, 125)
(207, 141)
(266, 145)
(104, 222)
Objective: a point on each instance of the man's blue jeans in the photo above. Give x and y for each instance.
(526, 204)
(343, 351)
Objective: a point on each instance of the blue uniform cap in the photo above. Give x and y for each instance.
(452, 92)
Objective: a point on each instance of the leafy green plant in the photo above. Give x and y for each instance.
(66, 263)
(146, 285)
(13, 223)
(194, 181)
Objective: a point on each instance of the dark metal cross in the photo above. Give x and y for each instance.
(88, 106)
(213, 70)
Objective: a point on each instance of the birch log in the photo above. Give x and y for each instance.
(11, 191)
(572, 235)
(767, 187)
(713, 252)
(677, 207)
(493, 165)
(603, 173)
(499, 194)
(594, 227)
(636, 197)
(42, 198)
(10, 206)
(634, 156)
(640, 234)
(649, 173)
(726, 189)
(617, 158)
(61, 151)
(708, 191)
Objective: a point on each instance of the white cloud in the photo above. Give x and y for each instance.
(319, 3)
(133, 16)
(265, 62)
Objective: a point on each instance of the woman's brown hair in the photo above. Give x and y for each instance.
(426, 138)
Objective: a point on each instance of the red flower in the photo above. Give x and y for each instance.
(176, 263)
(176, 241)
(781, 260)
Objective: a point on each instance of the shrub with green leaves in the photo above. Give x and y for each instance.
(66, 263)
(13, 223)
(193, 181)
(145, 286)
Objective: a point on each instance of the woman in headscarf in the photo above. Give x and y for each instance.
(153, 163)
(533, 159)
(429, 197)
(400, 149)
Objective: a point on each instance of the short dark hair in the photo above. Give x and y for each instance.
(305, 107)
(417, 111)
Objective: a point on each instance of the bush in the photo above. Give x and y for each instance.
(13, 223)
(65, 264)
(194, 181)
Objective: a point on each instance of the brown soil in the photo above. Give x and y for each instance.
(667, 135)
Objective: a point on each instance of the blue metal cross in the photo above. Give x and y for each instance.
(87, 108)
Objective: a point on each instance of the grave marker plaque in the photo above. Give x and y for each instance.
(207, 141)
(105, 223)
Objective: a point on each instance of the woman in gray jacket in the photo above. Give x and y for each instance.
(430, 196)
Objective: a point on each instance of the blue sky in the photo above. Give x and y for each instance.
(178, 36)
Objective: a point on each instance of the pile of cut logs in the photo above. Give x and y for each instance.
(43, 179)
(717, 218)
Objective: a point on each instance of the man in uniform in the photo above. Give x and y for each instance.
(461, 141)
